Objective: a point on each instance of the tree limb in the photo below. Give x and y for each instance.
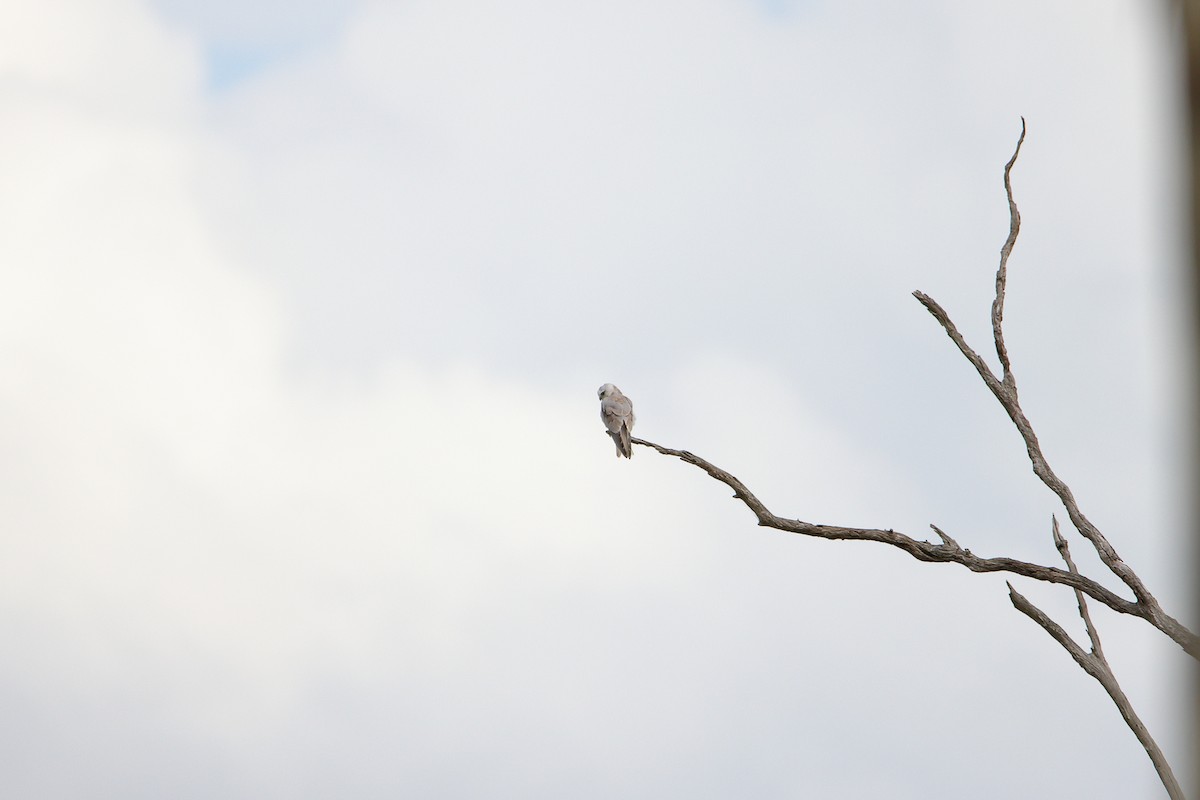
(1014, 228)
(947, 551)
(1096, 665)
(1004, 388)
(1005, 391)
(1065, 552)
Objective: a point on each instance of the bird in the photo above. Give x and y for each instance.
(617, 413)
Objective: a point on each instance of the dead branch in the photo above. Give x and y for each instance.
(1004, 388)
(1014, 228)
(1096, 665)
(1005, 391)
(948, 551)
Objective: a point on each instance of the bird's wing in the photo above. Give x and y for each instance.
(616, 410)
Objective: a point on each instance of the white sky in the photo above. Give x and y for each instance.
(304, 308)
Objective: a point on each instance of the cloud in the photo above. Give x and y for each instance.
(97, 55)
(305, 487)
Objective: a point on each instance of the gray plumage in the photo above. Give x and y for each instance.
(617, 413)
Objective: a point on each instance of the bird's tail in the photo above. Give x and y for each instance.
(626, 445)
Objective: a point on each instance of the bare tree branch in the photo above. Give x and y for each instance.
(1096, 665)
(1065, 551)
(1005, 390)
(1014, 227)
(948, 551)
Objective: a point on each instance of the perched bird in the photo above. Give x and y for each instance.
(617, 413)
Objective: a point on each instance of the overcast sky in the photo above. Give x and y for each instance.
(304, 307)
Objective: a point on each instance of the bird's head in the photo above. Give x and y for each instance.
(607, 390)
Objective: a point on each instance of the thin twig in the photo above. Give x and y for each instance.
(945, 537)
(1065, 551)
(1014, 228)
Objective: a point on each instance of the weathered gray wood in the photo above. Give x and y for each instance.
(1004, 388)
